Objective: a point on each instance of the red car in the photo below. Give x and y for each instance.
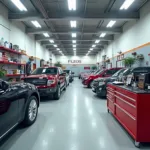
(101, 74)
(48, 80)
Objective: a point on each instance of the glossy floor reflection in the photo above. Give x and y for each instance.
(78, 121)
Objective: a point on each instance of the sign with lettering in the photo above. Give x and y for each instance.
(74, 61)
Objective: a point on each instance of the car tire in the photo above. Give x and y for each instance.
(65, 86)
(57, 93)
(90, 84)
(31, 111)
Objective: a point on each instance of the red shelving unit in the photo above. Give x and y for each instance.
(11, 50)
(11, 63)
(12, 75)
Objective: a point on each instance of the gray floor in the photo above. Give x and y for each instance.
(78, 121)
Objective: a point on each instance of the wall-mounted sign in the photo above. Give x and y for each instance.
(86, 68)
(74, 61)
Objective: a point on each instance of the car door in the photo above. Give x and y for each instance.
(8, 109)
(61, 77)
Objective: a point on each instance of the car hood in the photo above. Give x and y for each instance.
(108, 79)
(41, 76)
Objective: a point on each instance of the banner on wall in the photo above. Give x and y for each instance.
(74, 61)
(86, 68)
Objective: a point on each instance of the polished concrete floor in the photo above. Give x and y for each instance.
(78, 121)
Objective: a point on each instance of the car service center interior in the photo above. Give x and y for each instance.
(74, 74)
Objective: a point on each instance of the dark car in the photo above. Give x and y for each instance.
(99, 85)
(19, 103)
(48, 80)
(71, 75)
(101, 74)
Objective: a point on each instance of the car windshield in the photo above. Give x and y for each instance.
(67, 71)
(118, 73)
(96, 72)
(52, 71)
(99, 72)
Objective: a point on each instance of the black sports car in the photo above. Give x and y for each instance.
(99, 85)
(19, 103)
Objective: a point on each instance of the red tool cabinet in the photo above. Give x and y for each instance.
(132, 109)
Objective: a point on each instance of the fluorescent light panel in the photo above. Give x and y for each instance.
(93, 45)
(126, 4)
(103, 35)
(46, 34)
(74, 35)
(91, 49)
(58, 49)
(51, 41)
(74, 45)
(73, 24)
(74, 49)
(97, 41)
(73, 41)
(36, 24)
(19, 5)
(55, 45)
(111, 23)
(72, 5)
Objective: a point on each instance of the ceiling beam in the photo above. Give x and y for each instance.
(42, 38)
(100, 43)
(100, 30)
(88, 16)
(78, 48)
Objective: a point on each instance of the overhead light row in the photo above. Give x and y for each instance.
(126, 4)
(72, 5)
(19, 5)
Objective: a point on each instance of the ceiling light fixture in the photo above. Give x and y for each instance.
(19, 5)
(93, 45)
(74, 35)
(91, 49)
(46, 34)
(111, 23)
(58, 49)
(72, 4)
(74, 41)
(74, 49)
(55, 45)
(36, 24)
(103, 35)
(73, 24)
(126, 4)
(74, 45)
(51, 41)
(97, 41)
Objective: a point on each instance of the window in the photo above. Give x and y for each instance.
(110, 72)
(60, 71)
(52, 71)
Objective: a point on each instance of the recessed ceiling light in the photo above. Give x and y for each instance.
(72, 4)
(74, 41)
(127, 4)
(73, 24)
(46, 34)
(36, 24)
(93, 45)
(58, 49)
(91, 49)
(55, 45)
(103, 35)
(52, 41)
(19, 5)
(74, 49)
(111, 23)
(74, 35)
(74, 45)
(97, 41)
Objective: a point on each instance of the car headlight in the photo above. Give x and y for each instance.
(49, 82)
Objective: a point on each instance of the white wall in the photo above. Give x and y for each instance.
(14, 32)
(135, 34)
(84, 59)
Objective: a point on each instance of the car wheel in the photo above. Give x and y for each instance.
(31, 111)
(57, 93)
(65, 86)
(90, 84)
